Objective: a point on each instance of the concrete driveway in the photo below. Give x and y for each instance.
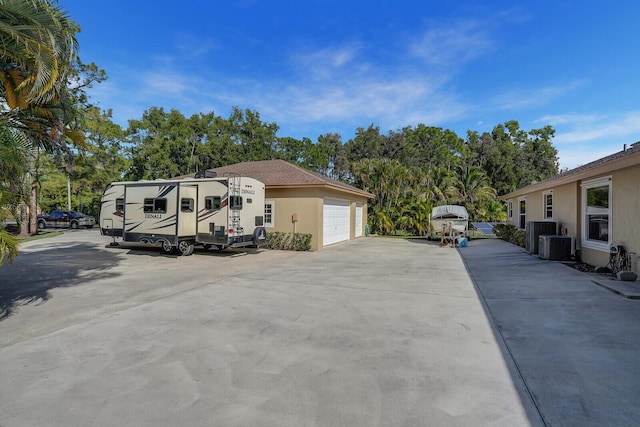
(374, 332)
(574, 342)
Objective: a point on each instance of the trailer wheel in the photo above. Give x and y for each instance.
(193, 248)
(185, 247)
(166, 247)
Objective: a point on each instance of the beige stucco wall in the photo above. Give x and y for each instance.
(567, 212)
(625, 213)
(307, 203)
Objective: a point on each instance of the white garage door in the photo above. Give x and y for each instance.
(358, 220)
(335, 220)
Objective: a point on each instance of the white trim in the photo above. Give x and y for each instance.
(272, 204)
(520, 214)
(510, 209)
(596, 244)
(544, 205)
(596, 182)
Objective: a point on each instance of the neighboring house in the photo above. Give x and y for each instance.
(301, 201)
(598, 204)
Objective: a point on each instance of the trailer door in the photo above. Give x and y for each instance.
(187, 211)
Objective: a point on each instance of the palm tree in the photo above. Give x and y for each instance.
(472, 187)
(12, 171)
(493, 211)
(39, 50)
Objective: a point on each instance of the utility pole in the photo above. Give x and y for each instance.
(68, 192)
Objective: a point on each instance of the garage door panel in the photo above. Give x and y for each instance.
(336, 221)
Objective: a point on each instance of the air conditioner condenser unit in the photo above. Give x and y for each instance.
(555, 248)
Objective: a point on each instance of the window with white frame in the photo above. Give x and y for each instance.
(547, 204)
(596, 213)
(268, 213)
(510, 209)
(522, 212)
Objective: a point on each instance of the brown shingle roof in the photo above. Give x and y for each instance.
(619, 160)
(282, 174)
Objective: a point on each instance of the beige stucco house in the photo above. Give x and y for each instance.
(597, 204)
(298, 200)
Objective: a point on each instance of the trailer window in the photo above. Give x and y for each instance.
(235, 203)
(212, 203)
(186, 205)
(119, 205)
(155, 205)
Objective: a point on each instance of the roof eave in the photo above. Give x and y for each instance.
(322, 185)
(578, 175)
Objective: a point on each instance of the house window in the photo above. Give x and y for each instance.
(155, 205)
(596, 213)
(212, 203)
(522, 212)
(186, 205)
(547, 200)
(268, 213)
(510, 209)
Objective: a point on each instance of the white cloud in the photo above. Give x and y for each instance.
(532, 97)
(581, 139)
(452, 44)
(601, 128)
(166, 84)
(329, 63)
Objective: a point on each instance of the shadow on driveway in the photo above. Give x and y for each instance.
(155, 251)
(34, 274)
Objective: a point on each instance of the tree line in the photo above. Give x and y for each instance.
(409, 170)
(56, 143)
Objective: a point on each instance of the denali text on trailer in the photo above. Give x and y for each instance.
(178, 214)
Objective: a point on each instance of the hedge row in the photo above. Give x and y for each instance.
(511, 234)
(287, 241)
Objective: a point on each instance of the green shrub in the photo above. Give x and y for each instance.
(511, 234)
(288, 241)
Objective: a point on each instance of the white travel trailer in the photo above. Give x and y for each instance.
(178, 214)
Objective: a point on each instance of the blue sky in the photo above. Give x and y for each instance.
(332, 66)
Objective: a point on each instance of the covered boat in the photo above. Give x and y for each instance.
(451, 220)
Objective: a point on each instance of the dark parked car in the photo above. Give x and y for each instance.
(65, 219)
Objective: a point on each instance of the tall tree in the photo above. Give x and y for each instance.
(472, 188)
(13, 169)
(538, 158)
(291, 149)
(161, 145)
(433, 147)
(328, 156)
(39, 51)
(367, 144)
(256, 140)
